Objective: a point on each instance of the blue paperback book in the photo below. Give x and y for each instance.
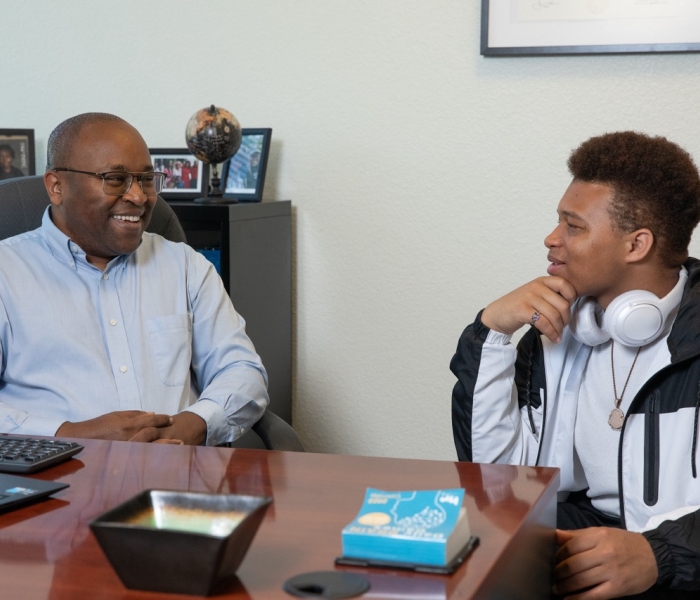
(427, 527)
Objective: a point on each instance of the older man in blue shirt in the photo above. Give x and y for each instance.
(107, 331)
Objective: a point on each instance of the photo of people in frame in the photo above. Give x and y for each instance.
(184, 174)
(244, 167)
(16, 153)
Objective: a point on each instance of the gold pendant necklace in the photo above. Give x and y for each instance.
(617, 417)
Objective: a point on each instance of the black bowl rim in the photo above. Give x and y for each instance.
(103, 522)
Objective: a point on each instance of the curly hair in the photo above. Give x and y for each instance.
(63, 138)
(655, 185)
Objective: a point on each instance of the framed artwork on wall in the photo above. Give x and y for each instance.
(186, 178)
(16, 153)
(243, 175)
(551, 27)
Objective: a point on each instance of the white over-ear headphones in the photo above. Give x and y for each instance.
(633, 319)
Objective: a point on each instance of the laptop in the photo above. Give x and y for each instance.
(16, 491)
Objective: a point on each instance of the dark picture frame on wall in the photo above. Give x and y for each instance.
(243, 175)
(16, 153)
(546, 27)
(186, 178)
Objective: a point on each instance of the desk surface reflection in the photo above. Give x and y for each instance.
(48, 552)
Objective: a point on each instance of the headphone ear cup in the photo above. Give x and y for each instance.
(584, 325)
(638, 317)
(634, 318)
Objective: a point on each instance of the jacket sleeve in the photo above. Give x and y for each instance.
(676, 545)
(495, 417)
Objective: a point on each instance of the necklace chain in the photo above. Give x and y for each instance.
(618, 401)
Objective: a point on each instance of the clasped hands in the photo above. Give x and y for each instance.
(550, 297)
(139, 426)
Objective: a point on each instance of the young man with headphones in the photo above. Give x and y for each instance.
(606, 384)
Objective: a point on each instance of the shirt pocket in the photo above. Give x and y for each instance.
(171, 344)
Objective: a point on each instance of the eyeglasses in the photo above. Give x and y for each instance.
(116, 183)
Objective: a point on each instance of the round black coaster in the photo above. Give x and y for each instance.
(326, 584)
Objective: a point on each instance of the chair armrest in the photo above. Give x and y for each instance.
(277, 434)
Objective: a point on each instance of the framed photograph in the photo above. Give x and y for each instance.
(16, 153)
(243, 175)
(547, 27)
(186, 177)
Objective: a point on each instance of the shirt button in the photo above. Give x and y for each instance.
(74, 248)
(105, 276)
(112, 322)
(71, 263)
(122, 369)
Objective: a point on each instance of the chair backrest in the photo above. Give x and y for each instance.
(23, 201)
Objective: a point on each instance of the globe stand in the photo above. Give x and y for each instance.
(215, 194)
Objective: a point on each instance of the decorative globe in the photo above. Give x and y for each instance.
(213, 135)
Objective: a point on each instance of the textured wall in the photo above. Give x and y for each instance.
(424, 176)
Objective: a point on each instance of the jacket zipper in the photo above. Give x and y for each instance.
(651, 451)
(634, 402)
(544, 404)
(528, 385)
(695, 435)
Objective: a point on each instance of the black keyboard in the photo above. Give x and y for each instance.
(26, 454)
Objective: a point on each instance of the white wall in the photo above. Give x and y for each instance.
(424, 176)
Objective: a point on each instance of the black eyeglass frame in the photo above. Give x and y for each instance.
(133, 176)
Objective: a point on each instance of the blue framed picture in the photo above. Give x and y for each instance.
(243, 175)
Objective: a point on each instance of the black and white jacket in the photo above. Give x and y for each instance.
(519, 407)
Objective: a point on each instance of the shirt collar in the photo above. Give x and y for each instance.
(67, 251)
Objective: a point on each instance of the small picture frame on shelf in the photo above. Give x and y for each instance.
(243, 175)
(186, 178)
(16, 153)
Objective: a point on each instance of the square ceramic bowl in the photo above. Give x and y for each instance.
(181, 542)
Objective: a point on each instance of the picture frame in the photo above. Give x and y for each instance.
(241, 178)
(186, 181)
(17, 153)
(570, 27)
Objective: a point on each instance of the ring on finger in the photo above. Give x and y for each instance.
(535, 317)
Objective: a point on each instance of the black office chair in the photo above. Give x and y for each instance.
(23, 201)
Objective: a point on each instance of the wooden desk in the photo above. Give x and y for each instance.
(47, 550)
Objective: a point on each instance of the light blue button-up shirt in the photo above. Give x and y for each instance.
(154, 331)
